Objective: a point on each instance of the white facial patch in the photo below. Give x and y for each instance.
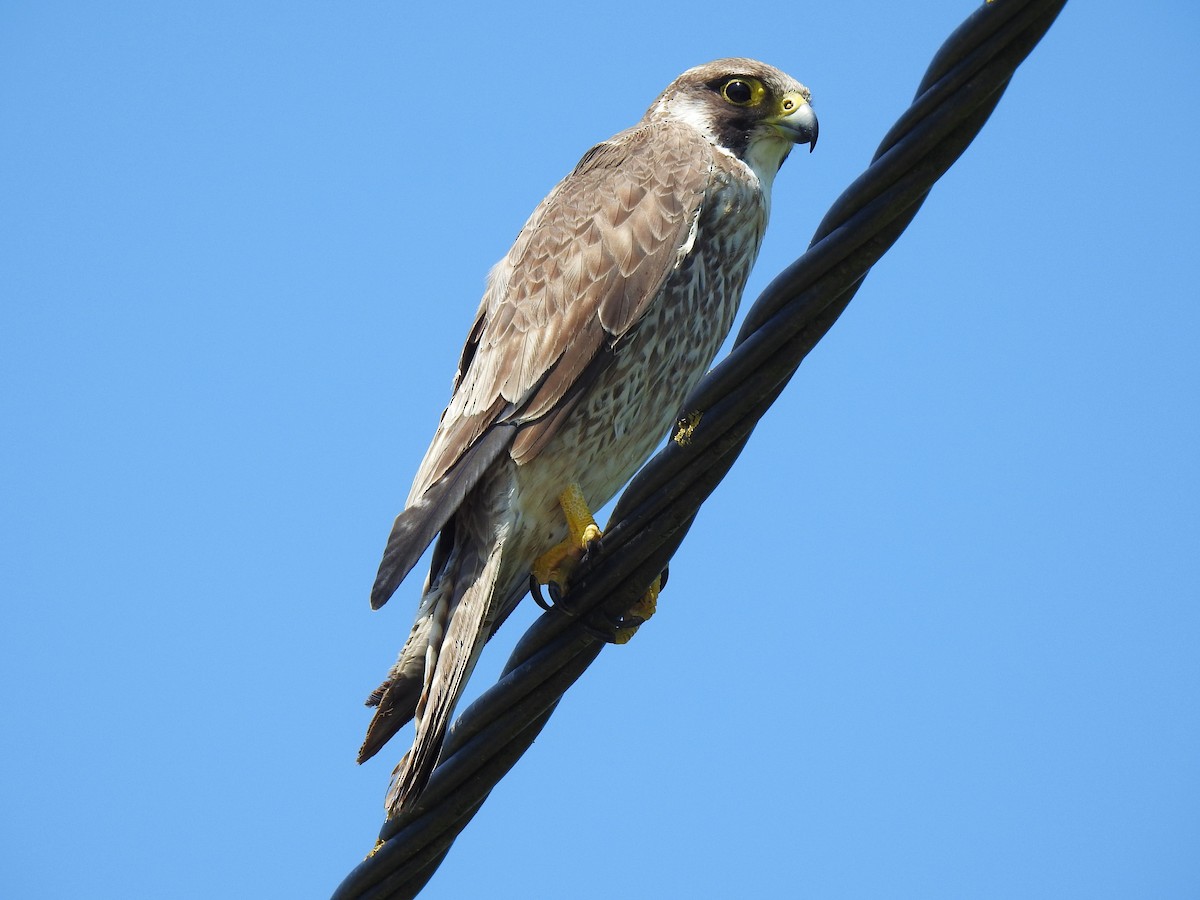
(693, 112)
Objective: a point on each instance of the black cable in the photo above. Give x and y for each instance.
(962, 86)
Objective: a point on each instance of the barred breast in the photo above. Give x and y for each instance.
(635, 401)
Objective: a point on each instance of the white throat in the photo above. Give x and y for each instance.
(764, 157)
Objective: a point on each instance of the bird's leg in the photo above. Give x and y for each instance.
(554, 567)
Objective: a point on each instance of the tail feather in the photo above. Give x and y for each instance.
(396, 703)
(449, 664)
(396, 699)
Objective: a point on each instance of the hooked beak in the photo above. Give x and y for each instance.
(800, 125)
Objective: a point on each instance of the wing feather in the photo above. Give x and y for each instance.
(582, 272)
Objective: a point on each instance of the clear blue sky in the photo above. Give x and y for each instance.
(936, 635)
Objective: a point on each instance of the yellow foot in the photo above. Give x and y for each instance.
(640, 612)
(557, 563)
(554, 567)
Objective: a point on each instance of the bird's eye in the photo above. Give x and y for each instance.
(737, 92)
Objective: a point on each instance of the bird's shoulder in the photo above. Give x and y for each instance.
(608, 231)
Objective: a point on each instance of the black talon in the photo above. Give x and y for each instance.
(598, 633)
(663, 575)
(626, 621)
(592, 548)
(535, 591)
(615, 624)
(561, 600)
(557, 598)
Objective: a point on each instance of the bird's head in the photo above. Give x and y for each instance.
(746, 107)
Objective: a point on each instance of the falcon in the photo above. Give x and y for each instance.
(593, 329)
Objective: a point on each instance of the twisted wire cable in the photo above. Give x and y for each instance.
(962, 86)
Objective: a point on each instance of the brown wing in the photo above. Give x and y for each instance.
(582, 272)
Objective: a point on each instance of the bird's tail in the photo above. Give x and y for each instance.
(458, 626)
(395, 700)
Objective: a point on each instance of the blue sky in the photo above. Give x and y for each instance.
(935, 636)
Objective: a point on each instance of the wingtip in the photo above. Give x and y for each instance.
(385, 585)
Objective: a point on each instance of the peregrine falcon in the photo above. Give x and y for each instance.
(593, 329)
